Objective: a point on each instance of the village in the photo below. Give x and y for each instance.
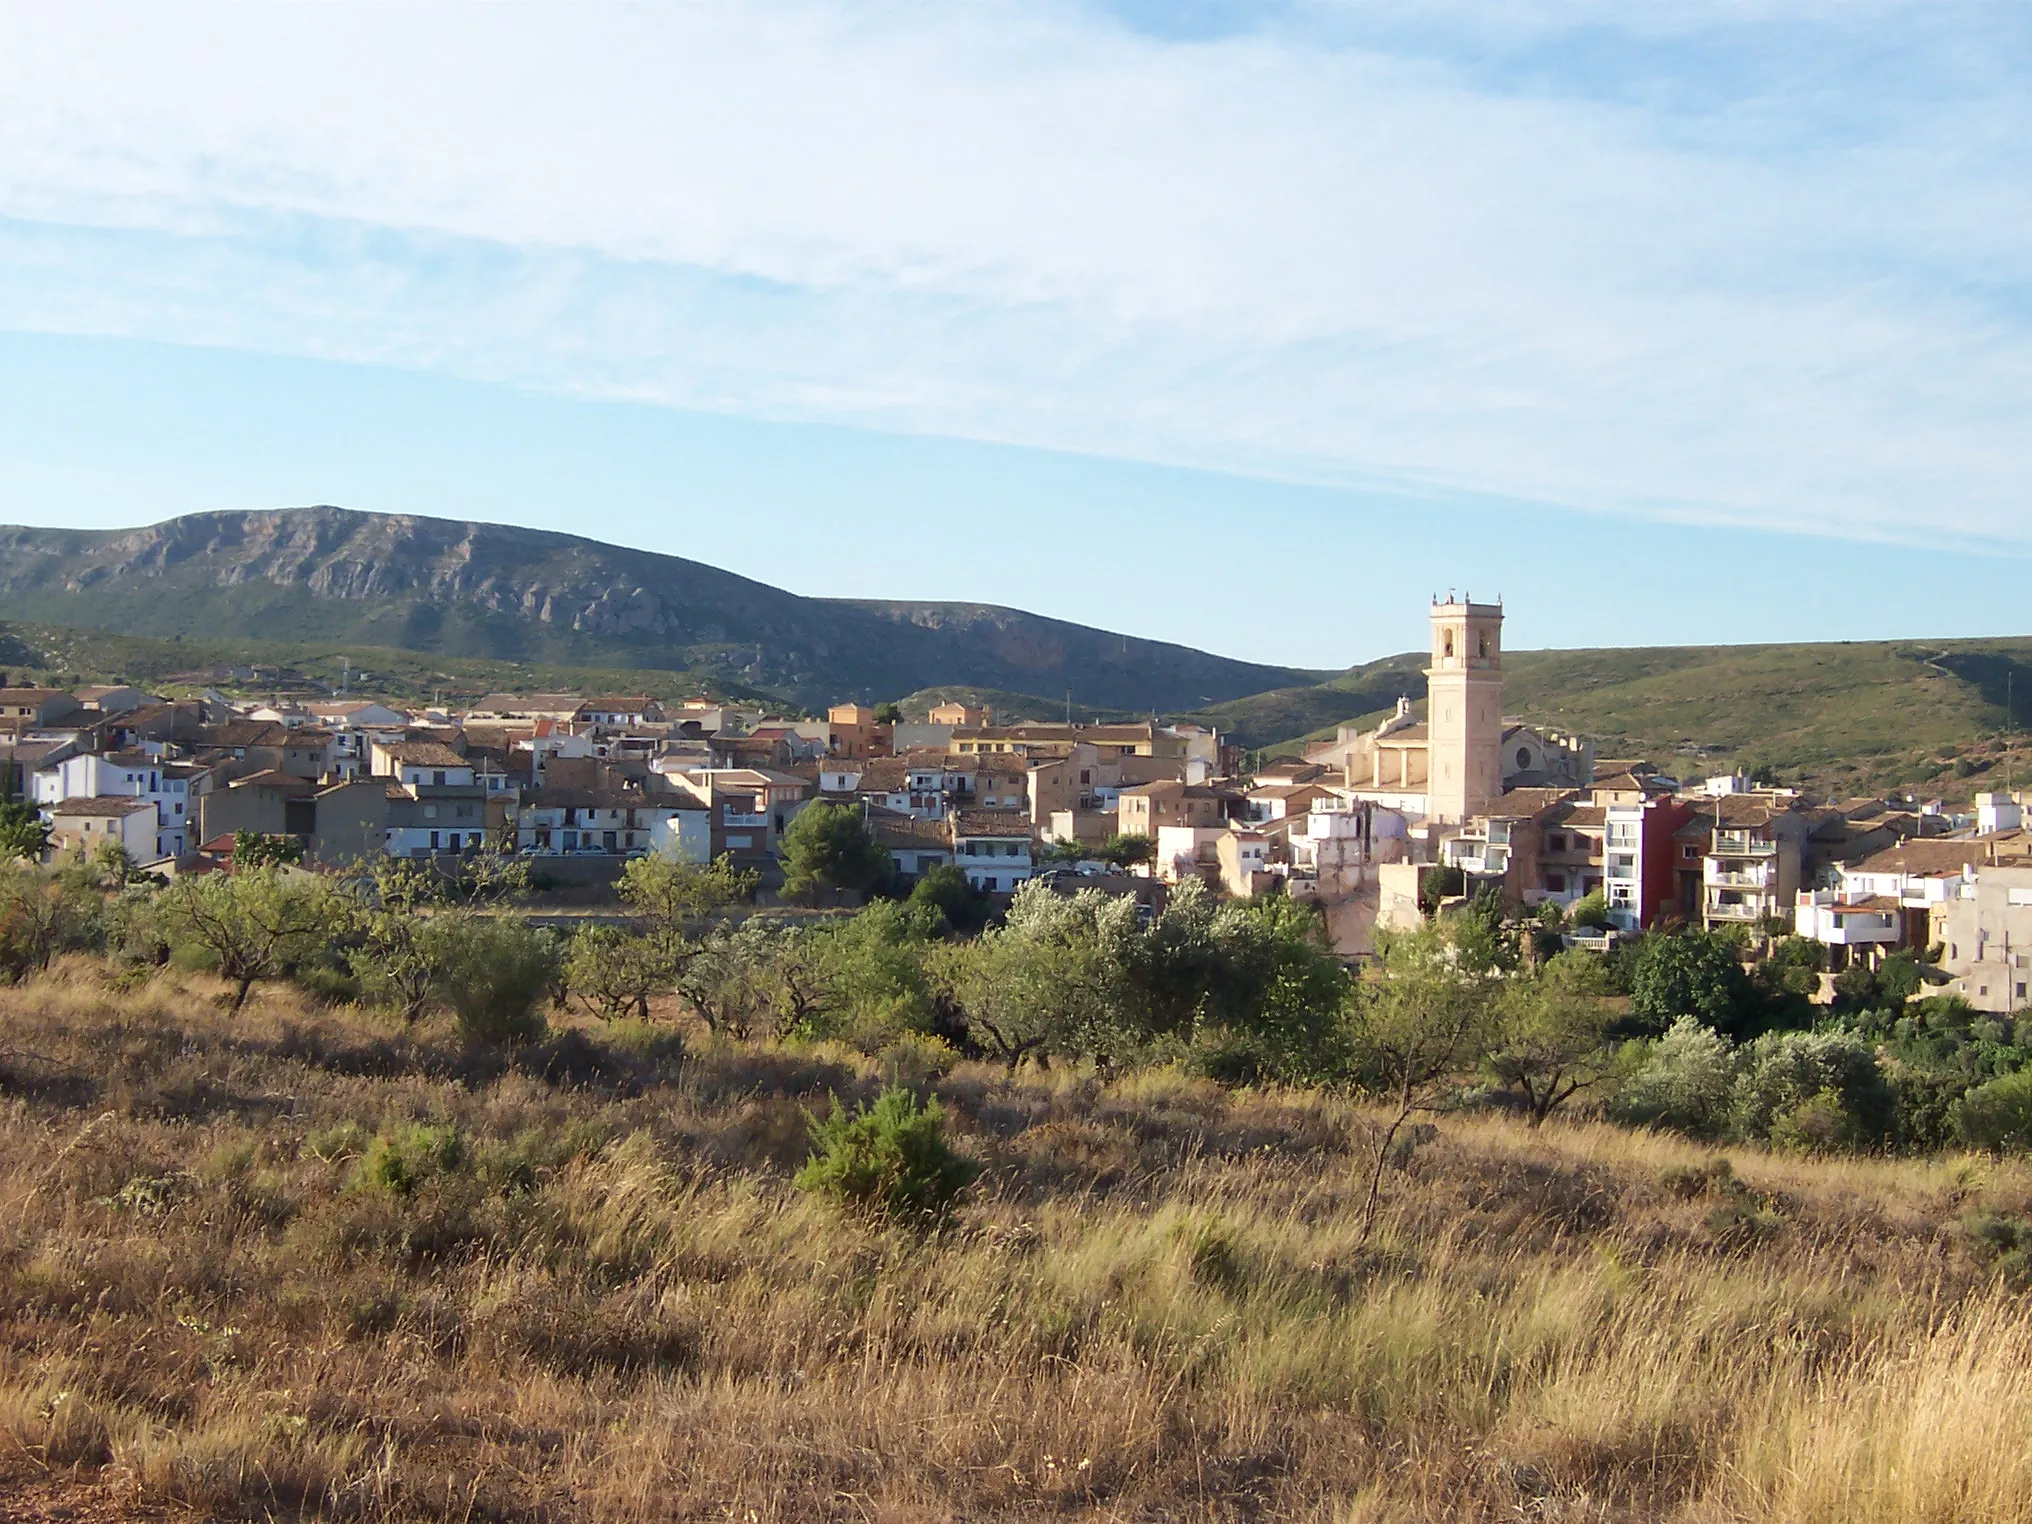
(1378, 826)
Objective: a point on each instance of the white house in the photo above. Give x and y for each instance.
(420, 764)
(992, 848)
(86, 823)
(1863, 928)
(125, 774)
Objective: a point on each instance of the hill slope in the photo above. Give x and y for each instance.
(486, 590)
(1848, 716)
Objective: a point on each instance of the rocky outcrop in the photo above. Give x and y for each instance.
(495, 590)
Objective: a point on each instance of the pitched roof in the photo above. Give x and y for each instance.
(424, 754)
(1577, 816)
(275, 778)
(893, 828)
(253, 733)
(1285, 790)
(1165, 788)
(1622, 783)
(1529, 803)
(883, 775)
(1927, 858)
(102, 805)
(992, 823)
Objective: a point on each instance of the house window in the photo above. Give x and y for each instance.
(1555, 883)
(989, 884)
(433, 841)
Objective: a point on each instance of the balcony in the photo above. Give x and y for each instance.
(1732, 879)
(1731, 844)
(1753, 911)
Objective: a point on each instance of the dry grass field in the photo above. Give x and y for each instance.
(301, 1263)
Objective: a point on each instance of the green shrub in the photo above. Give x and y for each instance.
(328, 982)
(1998, 1116)
(890, 1157)
(1213, 1251)
(496, 973)
(1687, 1181)
(1819, 1125)
(1590, 912)
(1685, 1082)
(1821, 1089)
(2004, 1242)
(398, 1162)
(337, 1144)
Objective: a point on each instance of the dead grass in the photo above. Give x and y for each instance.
(587, 1291)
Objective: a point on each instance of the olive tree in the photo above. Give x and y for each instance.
(1554, 1033)
(1424, 1022)
(252, 925)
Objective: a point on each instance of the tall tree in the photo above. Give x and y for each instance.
(1424, 1023)
(827, 847)
(1554, 1034)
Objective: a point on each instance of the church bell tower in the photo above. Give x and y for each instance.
(1464, 709)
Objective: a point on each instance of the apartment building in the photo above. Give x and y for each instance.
(1641, 854)
(1750, 873)
(1152, 807)
(1985, 936)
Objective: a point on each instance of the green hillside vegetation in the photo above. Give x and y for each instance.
(65, 657)
(1842, 717)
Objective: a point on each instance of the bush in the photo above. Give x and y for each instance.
(41, 915)
(398, 1162)
(1590, 912)
(1819, 1125)
(496, 972)
(947, 890)
(1998, 1116)
(1685, 1082)
(891, 1157)
(1815, 1091)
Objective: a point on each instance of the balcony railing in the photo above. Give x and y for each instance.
(1743, 846)
(1735, 880)
(1751, 912)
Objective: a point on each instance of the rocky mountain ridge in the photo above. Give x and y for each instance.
(477, 589)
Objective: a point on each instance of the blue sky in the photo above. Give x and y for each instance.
(1243, 325)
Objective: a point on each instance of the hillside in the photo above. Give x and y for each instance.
(61, 656)
(303, 1263)
(1849, 717)
(329, 575)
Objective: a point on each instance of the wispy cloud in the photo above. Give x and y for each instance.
(1750, 262)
